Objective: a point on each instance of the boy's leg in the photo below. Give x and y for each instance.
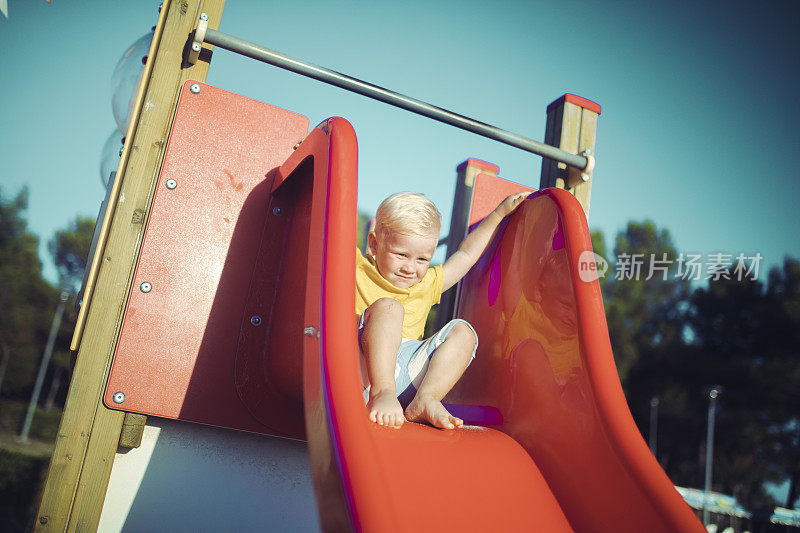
(447, 364)
(380, 340)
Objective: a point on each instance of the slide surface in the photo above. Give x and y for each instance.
(566, 456)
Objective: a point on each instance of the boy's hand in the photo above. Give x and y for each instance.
(471, 248)
(510, 204)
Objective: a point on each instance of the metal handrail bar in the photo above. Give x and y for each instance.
(254, 51)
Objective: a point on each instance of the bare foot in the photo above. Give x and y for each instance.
(385, 410)
(429, 409)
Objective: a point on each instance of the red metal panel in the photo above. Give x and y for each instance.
(488, 192)
(176, 352)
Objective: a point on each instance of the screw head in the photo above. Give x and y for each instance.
(118, 397)
(196, 47)
(276, 211)
(203, 16)
(195, 88)
(255, 320)
(171, 184)
(145, 287)
(584, 177)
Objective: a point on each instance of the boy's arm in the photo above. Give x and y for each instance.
(473, 246)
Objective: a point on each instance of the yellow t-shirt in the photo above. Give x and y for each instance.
(417, 300)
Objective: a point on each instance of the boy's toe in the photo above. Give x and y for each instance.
(444, 422)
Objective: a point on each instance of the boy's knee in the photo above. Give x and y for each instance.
(465, 333)
(385, 306)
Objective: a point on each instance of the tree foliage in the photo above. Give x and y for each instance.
(70, 249)
(26, 298)
(643, 302)
(362, 221)
(28, 301)
(672, 342)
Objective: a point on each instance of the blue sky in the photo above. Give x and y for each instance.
(698, 130)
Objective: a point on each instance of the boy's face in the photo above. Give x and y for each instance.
(402, 259)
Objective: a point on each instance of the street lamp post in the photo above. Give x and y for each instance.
(713, 394)
(653, 436)
(48, 352)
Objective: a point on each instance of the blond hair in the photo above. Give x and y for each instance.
(410, 213)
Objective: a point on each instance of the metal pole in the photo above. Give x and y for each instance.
(712, 409)
(48, 352)
(652, 437)
(254, 51)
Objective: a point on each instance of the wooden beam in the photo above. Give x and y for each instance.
(465, 181)
(571, 126)
(89, 432)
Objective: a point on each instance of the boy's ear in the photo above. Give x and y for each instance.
(372, 243)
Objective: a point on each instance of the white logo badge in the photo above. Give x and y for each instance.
(591, 266)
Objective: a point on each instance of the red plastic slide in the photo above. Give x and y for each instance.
(566, 455)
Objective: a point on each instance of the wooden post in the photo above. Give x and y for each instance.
(465, 180)
(571, 126)
(89, 432)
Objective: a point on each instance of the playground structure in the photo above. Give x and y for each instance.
(193, 397)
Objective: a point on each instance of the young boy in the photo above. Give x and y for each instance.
(395, 289)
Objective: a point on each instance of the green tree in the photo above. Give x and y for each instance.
(644, 301)
(361, 229)
(599, 248)
(26, 299)
(735, 345)
(726, 323)
(70, 250)
(673, 344)
(781, 360)
(743, 337)
(647, 322)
